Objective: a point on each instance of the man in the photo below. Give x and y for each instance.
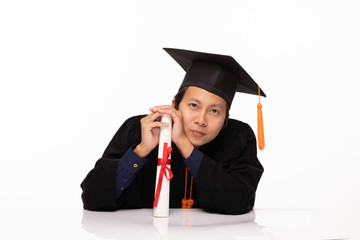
(219, 152)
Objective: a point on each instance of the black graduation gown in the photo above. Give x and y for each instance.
(226, 181)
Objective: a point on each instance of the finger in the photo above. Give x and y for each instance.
(175, 114)
(162, 108)
(152, 125)
(167, 109)
(151, 117)
(157, 108)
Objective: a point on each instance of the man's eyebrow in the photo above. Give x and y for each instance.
(217, 105)
(194, 99)
(212, 105)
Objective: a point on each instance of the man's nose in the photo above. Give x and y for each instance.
(201, 119)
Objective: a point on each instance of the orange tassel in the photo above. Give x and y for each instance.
(260, 125)
(184, 202)
(187, 203)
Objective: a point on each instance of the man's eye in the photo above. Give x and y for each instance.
(214, 111)
(193, 105)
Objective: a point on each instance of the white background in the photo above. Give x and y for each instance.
(72, 71)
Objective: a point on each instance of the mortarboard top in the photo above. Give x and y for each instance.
(219, 74)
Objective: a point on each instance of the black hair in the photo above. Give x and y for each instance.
(179, 96)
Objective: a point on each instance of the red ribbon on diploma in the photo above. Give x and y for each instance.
(164, 170)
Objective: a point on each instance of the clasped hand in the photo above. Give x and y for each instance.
(150, 131)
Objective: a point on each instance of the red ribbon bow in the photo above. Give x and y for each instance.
(164, 170)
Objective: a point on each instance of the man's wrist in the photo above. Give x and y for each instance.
(186, 147)
(139, 150)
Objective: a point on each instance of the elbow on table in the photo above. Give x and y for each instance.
(238, 204)
(95, 204)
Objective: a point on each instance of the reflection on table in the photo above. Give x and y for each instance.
(197, 223)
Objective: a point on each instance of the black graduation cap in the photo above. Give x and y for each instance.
(219, 74)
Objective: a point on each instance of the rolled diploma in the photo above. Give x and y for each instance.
(162, 209)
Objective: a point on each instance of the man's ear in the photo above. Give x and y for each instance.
(173, 103)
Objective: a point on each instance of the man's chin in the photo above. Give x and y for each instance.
(197, 143)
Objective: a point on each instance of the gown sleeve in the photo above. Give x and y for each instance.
(100, 185)
(227, 181)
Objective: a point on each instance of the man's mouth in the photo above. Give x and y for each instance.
(197, 133)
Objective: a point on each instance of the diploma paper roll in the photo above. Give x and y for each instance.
(162, 209)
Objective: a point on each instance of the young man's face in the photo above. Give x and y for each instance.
(203, 115)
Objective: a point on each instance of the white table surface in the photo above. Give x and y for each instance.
(267, 224)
